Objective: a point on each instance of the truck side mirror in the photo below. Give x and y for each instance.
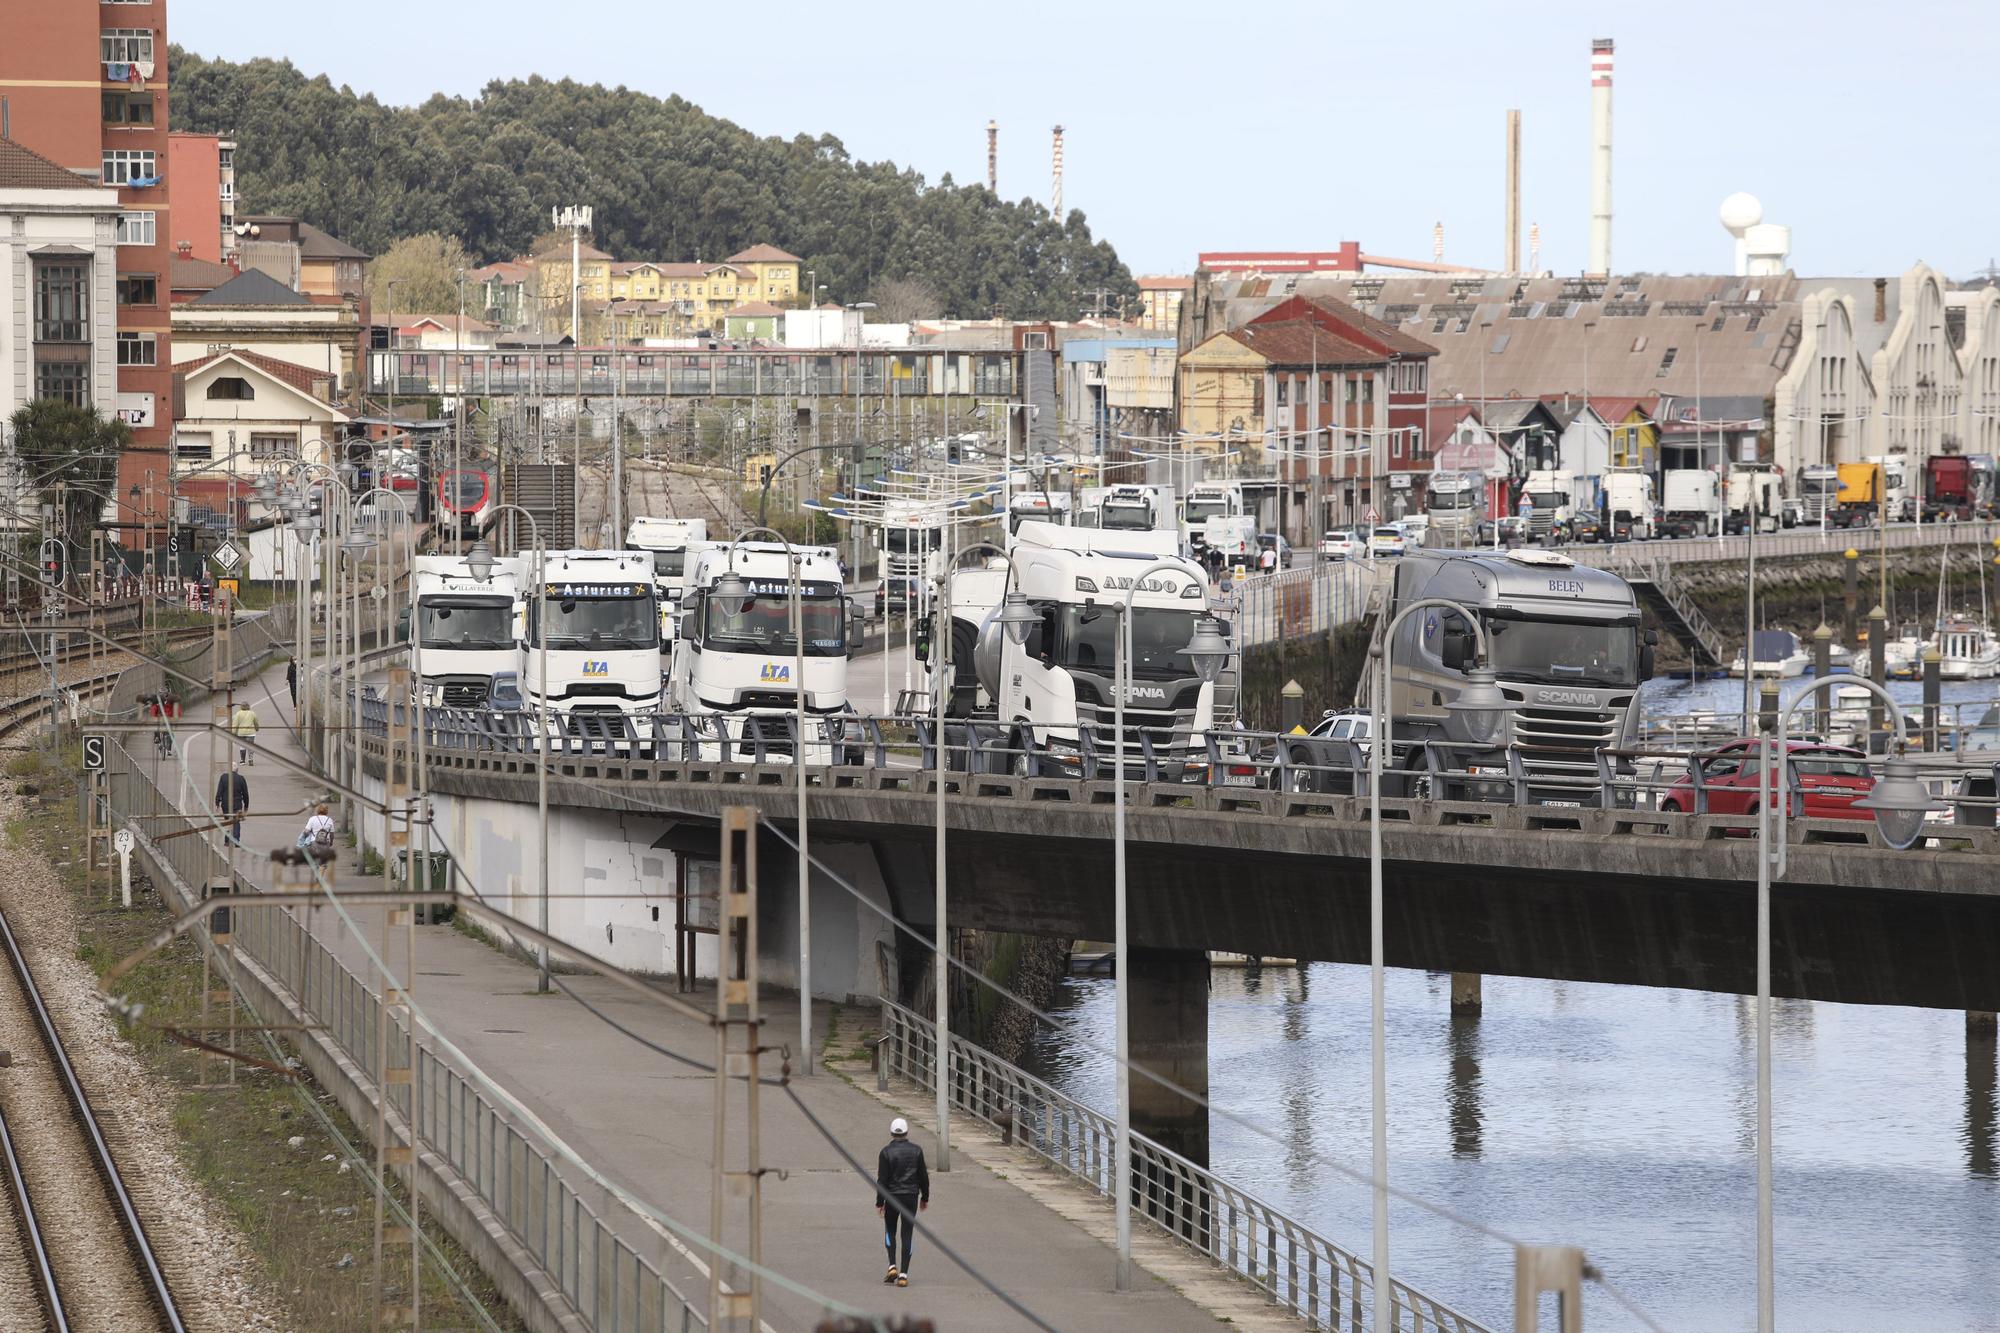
(857, 626)
(403, 625)
(1456, 650)
(1647, 657)
(921, 639)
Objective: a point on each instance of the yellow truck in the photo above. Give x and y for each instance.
(1860, 495)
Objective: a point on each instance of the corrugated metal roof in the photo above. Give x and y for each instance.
(1304, 343)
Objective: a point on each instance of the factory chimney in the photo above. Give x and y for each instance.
(1513, 243)
(1055, 181)
(1600, 157)
(993, 156)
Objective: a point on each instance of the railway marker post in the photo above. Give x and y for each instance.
(122, 841)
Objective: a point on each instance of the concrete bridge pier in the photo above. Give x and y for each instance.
(1981, 1110)
(1169, 1015)
(1466, 994)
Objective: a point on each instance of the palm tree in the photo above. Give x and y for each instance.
(69, 454)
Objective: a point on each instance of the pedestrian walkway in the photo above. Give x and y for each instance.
(643, 1120)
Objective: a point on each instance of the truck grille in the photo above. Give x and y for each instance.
(1169, 728)
(465, 693)
(1563, 740)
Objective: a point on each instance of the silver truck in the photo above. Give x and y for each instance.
(1565, 641)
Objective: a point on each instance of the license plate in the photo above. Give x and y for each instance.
(1566, 805)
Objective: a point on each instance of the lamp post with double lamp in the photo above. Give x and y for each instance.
(1478, 714)
(480, 563)
(1208, 650)
(732, 594)
(1899, 801)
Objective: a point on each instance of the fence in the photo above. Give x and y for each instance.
(1302, 1271)
(612, 1286)
(1812, 541)
(1295, 603)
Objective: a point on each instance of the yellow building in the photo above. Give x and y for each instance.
(661, 300)
(1222, 394)
(774, 274)
(756, 467)
(1160, 302)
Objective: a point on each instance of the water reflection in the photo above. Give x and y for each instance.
(1620, 1118)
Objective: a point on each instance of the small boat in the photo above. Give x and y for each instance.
(1967, 650)
(1847, 724)
(1776, 653)
(1903, 657)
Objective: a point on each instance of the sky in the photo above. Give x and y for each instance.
(1288, 125)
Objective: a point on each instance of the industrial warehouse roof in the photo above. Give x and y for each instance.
(1641, 332)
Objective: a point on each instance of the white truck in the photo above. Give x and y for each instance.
(1898, 501)
(602, 638)
(912, 541)
(1207, 500)
(466, 631)
(1136, 508)
(733, 666)
(1233, 537)
(1054, 691)
(1761, 490)
(1037, 507)
(1628, 509)
(1819, 493)
(1555, 496)
(1692, 503)
(1452, 502)
(670, 540)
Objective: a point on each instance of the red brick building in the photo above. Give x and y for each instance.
(85, 85)
(1379, 450)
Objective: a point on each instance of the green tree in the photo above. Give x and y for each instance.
(666, 180)
(70, 456)
(425, 269)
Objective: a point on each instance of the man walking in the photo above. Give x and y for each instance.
(232, 797)
(292, 681)
(901, 1177)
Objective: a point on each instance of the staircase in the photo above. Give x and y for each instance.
(1039, 391)
(548, 491)
(1663, 595)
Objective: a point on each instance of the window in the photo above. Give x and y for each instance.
(68, 381)
(122, 166)
(1667, 361)
(1396, 444)
(228, 190)
(1325, 390)
(62, 303)
(1416, 442)
(138, 289)
(274, 446)
(195, 444)
(1283, 389)
(128, 108)
(125, 45)
(138, 349)
(231, 388)
(137, 227)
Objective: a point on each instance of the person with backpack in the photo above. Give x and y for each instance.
(317, 840)
(901, 1177)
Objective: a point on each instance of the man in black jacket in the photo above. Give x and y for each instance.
(901, 1177)
(232, 797)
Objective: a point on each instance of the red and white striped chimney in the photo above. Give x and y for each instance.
(1600, 156)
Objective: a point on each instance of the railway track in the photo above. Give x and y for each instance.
(74, 1253)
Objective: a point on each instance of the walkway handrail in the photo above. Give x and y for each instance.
(1315, 1279)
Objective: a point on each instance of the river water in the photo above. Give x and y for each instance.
(1618, 1118)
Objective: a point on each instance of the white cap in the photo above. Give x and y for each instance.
(898, 1127)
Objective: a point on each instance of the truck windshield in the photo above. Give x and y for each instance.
(1202, 508)
(670, 564)
(600, 622)
(1128, 518)
(465, 622)
(1449, 500)
(1812, 485)
(1089, 642)
(1548, 499)
(765, 626)
(909, 541)
(1563, 651)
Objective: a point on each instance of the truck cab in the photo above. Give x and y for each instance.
(1451, 503)
(1629, 511)
(733, 667)
(1819, 494)
(1054, 692)
(1208, 500)
(1566, 645)
(1755, 491)
(1549, 497)
(466, 630)
(602, 641)
(1691, 505)
(670, 540)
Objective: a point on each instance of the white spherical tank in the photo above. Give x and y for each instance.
(1767, 249)
(1740, 212)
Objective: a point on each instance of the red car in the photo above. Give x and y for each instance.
(1831, 776)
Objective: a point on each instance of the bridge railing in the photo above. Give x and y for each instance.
(1792, 542)
(1309, 1275)
(1551, 785)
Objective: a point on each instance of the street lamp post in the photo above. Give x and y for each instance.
(1899, 802)
(1208, 650)
(480, 562)
(1480, 712)
(731, 595)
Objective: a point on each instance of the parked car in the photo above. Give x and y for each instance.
(1513, 531)
(1316, 760)
(1268, 540)
(1387, 540)
(504, 694)
(1832, 778)
(1416, 530)
(1340, 545)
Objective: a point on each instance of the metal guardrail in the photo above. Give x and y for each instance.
(613, 1287)
(1308, 1275)
(1660, 574)
(1792, 542)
